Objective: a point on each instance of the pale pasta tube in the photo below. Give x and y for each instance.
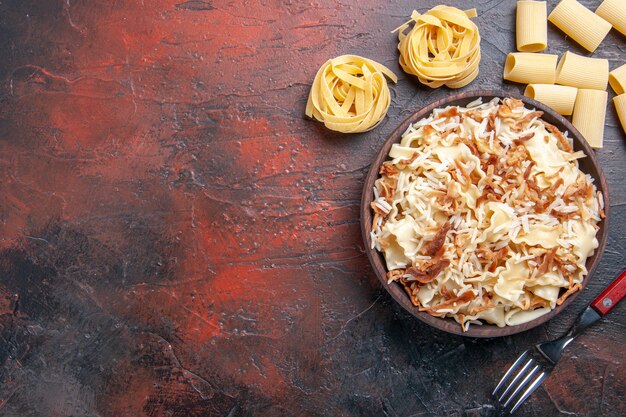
(582, 72)
(442, 48)
(350, 94)
(589, 113)
(620, 106)
(529, 68)
(560, 97)
(531, 26)
(614, 12)
(580, 23)
(617, 78)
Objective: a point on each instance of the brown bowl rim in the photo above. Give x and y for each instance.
(377, 260)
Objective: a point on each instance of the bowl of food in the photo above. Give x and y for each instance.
(485, 213)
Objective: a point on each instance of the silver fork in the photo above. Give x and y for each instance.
(535, 365)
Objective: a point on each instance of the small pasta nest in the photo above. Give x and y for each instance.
(482, 214)
(442, 48)
(350, 94)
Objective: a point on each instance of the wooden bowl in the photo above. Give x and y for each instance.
(587, 165)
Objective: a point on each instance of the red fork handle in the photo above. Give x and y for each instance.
(611, 296)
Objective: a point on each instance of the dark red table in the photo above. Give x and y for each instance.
(177, 240)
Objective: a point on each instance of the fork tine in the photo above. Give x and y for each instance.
(530, 390)
(522, 384)
(510, 371)
(519, 375)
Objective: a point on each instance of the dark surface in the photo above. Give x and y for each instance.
(588, 165)
(177, 240)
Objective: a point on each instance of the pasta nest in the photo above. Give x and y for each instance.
(442, 48)
(350, 94)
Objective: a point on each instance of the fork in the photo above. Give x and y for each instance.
(531, 369)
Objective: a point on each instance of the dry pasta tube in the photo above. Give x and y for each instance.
(531, 26)
(529, 68)
(442, 48)
(580, 23)
(350, 94)
(589, 113)
(620, 107)
(617, 79)
(582, 72)
(561, 98)
(614, 12)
